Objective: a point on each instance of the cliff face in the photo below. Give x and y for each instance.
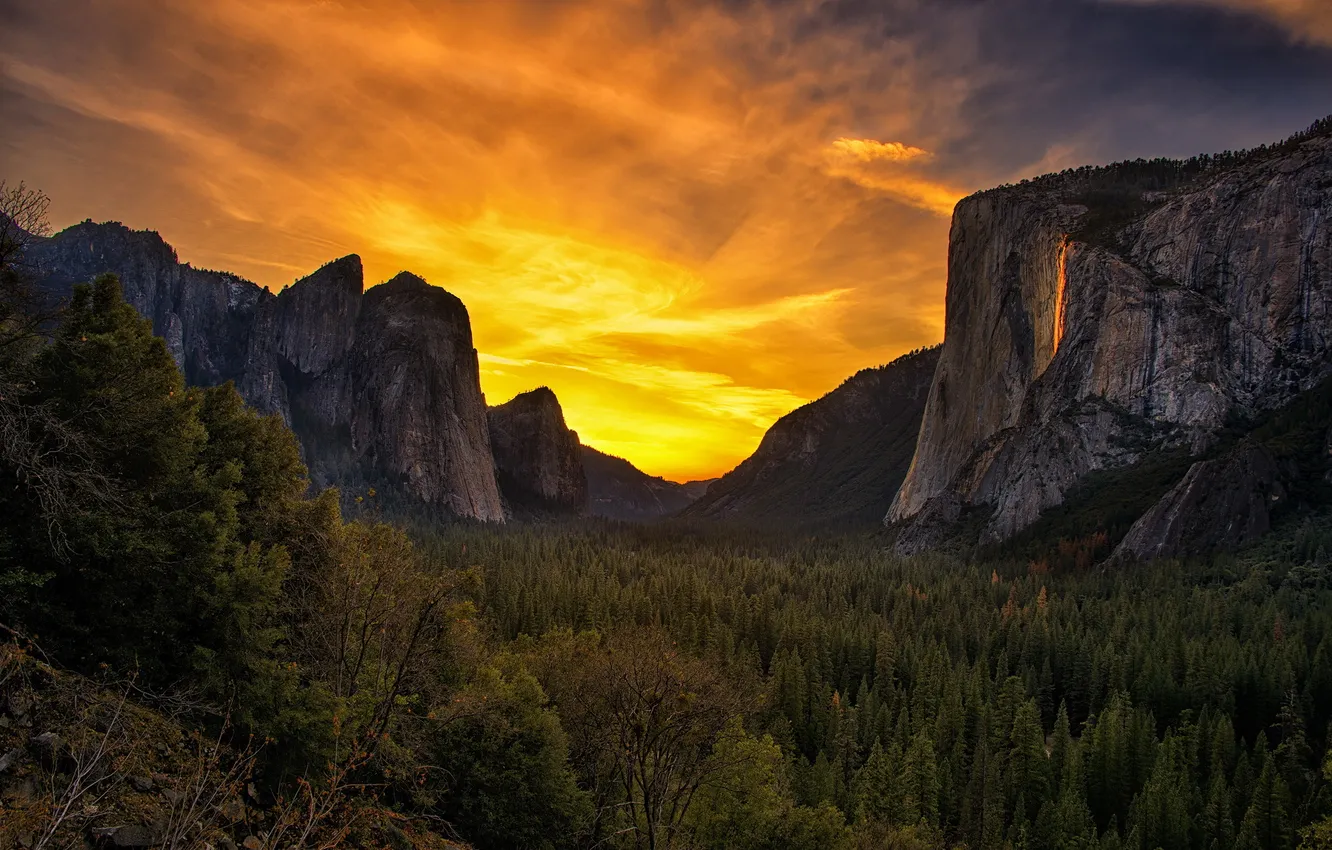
(1221, 503)
(381, 387)
(841, 457)
(537, 458)
(1082, 333)
(619, 490)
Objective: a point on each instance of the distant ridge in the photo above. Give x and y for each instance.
(619, 490)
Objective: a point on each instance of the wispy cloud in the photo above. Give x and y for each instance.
(685, 217)
(869, 150)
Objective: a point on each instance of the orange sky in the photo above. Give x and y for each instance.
(685, 220)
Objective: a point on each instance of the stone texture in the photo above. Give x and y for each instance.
(1221, 503)
(381, 386)
(538, 460)
(1214, 303)
(840, 458)
(133, 835)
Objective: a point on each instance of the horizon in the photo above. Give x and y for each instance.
(687, 220)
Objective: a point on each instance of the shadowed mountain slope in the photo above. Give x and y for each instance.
(538, 459)
(619, 490)
(837, 459)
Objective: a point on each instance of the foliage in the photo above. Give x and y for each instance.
(505, 780)
(1046, 709)
(1133, 177)
(596, 685)
(1117, 194)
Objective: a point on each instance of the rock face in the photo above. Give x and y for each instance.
(1220, 504)
(1084, 331)
(840, 458)
(381, 386)
(619, 490)
(538, 460)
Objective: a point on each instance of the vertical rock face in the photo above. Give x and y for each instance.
(381, 387)
(1003, 284)
(537, 458)
(1073, 345)
(839, 458)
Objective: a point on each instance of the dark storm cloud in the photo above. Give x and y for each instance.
(1106, 79)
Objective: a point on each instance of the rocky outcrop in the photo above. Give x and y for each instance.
(381, 386)
(538, 460)
(1089, 326)
(619, 490)
(840, 458)
(1220, 504)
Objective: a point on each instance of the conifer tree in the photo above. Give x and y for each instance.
(1265, 825)
(920, 782)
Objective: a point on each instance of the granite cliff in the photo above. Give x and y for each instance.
(837, 459)
(381, 386)
(1100, 315)
(538, 459)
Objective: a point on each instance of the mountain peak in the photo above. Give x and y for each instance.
(344, 275)
(406, 280)
(536, 455)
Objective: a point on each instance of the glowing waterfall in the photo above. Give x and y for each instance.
(1060, 283)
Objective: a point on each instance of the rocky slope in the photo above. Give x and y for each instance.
(380, 386)
(840, 458)
(1097, 316)
(1220, 503)
(537, 458)
(619, 490)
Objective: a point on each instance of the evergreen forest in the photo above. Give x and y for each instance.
(598, 685)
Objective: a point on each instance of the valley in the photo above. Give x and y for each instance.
(277, 575)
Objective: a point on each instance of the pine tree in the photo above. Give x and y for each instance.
(1217, 825)
(1265, 825)
(1073, 827)
(1160, 812)
(1028, 767)
(920, 782)
(877, 795)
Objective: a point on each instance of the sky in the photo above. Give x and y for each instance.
(686, 218)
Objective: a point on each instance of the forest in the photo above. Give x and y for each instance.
(598, 685)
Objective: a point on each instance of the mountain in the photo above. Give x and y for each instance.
(619, 490)
(381, 386)
(1103, 318)
(840, 458)
(538, 460)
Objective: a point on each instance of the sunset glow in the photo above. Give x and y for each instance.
(685, 219)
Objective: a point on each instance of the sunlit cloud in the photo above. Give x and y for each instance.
(879, 165)
(686, 218)
(868, 150)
